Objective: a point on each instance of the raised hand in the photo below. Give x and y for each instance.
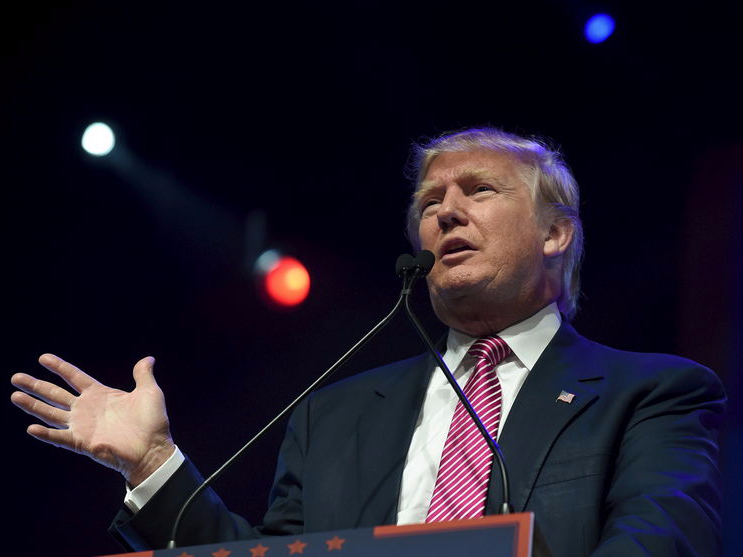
(126, 431)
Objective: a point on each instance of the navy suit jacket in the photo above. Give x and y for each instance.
(629, 467)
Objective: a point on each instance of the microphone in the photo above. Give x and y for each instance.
(405, 263)
(407, 267)
(424, 261)
(421, 266)
(412, 268)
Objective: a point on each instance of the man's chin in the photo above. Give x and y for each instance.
(456, 286)
(455, 298)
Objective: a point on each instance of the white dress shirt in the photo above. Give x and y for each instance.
(527, 340)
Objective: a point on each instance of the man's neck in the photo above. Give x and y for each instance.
(481, 323)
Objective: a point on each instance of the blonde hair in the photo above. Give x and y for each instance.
(544, 171)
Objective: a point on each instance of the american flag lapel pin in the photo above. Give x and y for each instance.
(565, 397)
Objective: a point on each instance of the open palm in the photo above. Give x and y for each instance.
(126, 431)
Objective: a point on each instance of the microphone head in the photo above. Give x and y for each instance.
(405, 262)
(424, 261)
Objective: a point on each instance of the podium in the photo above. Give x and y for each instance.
(495, 536)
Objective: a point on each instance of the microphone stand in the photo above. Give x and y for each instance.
(404, 264)
(424, 264)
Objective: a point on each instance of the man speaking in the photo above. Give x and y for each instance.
(615, 452)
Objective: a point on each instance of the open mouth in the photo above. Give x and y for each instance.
(455, 246)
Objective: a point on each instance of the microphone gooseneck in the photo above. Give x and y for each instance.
(424, 262)
(409, 269)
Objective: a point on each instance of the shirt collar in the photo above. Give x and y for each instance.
(527, 339)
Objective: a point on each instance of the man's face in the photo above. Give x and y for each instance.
(479, 219)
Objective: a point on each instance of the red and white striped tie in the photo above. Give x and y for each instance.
(462, 482)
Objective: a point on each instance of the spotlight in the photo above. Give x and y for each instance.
(284, 279)
(599, 28)
(98, 139)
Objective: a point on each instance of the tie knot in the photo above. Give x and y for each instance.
(492, 349)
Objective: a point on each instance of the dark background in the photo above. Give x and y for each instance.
(302, 114)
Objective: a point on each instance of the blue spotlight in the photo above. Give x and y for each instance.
(98, 139)
(599, 28)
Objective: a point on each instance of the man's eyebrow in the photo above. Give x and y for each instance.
(468, 174)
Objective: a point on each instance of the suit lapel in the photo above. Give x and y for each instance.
(384, 435)
(537, 417)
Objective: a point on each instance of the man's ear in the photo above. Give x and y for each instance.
(558, 237)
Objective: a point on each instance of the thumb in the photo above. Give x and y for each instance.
(144, 372)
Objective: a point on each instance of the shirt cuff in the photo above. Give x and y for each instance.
(136, 498)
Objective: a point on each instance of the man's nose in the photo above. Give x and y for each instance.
(452, 211)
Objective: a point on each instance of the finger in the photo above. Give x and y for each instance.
(57, 437)
(144, 373)
(73, 376)
(50, 415)
(48, 392)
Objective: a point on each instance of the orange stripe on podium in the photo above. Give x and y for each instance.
(522, 523)
(139, 554)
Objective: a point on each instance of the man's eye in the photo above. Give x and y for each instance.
(428, 204)
(484, 187)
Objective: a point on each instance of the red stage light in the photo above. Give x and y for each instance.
(287, 282)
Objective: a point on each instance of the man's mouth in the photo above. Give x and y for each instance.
(455, 246)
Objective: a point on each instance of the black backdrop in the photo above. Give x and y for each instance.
(302, 115)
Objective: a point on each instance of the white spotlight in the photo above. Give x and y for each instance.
(98, 139)
(266, 261)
